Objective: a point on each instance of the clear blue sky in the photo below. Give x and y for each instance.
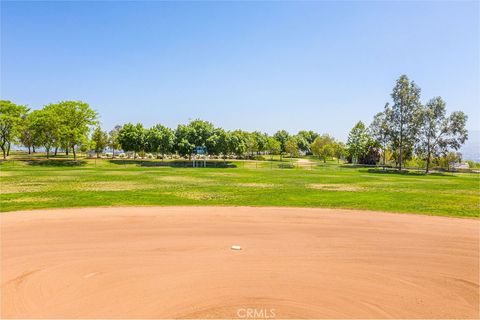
(250, 65)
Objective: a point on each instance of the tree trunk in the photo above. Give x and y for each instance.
(8, 149)
(33, 149)
(4, 153)
(428, 163)
(56, 149)
(74, 154)
(66, 151)
(29, 150)
(48, 152)
(113, 153)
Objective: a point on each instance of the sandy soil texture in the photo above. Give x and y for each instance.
(177, 262)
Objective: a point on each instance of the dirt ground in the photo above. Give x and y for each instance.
(151, 262)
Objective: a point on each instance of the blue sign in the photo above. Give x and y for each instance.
(200, 150)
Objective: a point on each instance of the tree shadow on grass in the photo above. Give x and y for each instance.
(406, 172)
(57, 163)
(175, 164)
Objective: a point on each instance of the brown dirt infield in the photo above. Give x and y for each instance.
(151, 262)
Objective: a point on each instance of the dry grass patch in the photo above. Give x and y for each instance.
(21, 187)
(224, 174)
(199, 195)
(121, 173)
(32, 199)
(112, 186)
(184, 179)
(7, 173)
(255, 185)
(334, 187)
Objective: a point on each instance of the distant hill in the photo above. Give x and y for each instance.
(471, 149)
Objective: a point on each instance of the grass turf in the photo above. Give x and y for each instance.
(56, 184)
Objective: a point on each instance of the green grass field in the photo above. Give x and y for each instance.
(59, 184)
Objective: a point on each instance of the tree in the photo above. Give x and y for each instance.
(221, 145)
(26, 137)
(371, 155)
(339, 150)
(450, 158)
(273, 146)
(357, 142)
(45, 128)
(182, 140)
(251, 143)
(260, 141)
(282, 137)
(438, 133)
(132, 138)
(403, 118)
(99, 140)
(113, 141)
(305, 140)
(237, 143)
(76, 119)
(291, 147)
(11, 119)
(160, 139)
(195, 134)
(379, 130)
(322, 147)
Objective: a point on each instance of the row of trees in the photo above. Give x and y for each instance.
(408, 128)
(198, 133)
(404, 129)
(66, 126)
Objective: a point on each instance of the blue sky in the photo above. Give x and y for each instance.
(251, 65)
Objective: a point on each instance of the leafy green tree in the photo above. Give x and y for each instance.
(322, 147)
(273, 146)
(113, 141)
(160, 139)
(371, 155)
(237, 143)
(260, 141)
(27, 137)
(196, 134)
(282, 137)
(45, 128)
(201, 132)
(183, 142)
(132, 138)
(11, 121)
(76, 119)
(339, 150)
(291, 147)
(403, 120)
(450, 158)
(220, 145)
(305, 140)
(357, 142)
(99, 140)
(251, 143)
(439, 132)
(379, 130)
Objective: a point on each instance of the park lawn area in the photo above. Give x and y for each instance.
(40, 184)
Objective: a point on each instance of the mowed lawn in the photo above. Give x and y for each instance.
(309, 184)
